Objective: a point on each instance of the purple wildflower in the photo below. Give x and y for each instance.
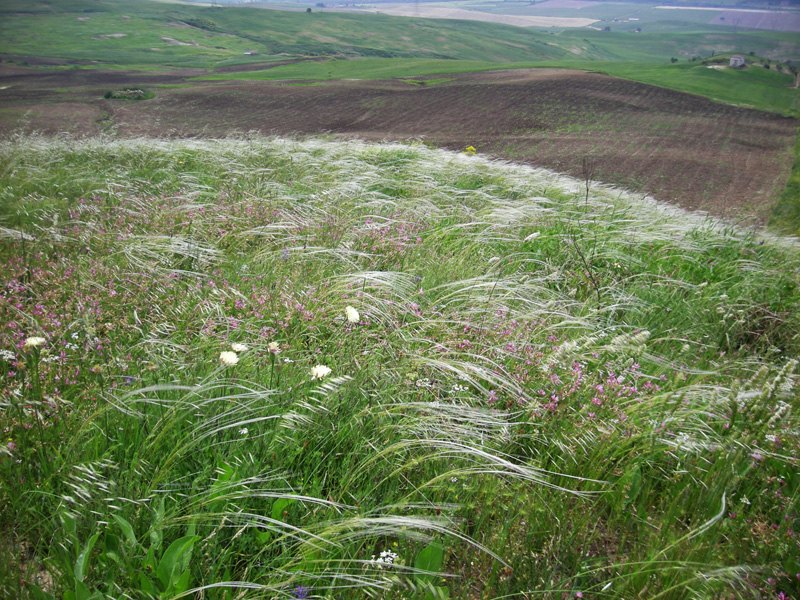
(301, 591)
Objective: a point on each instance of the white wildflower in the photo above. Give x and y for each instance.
(386, 558)
(228, 358)
(319, 372)
(532, 236)
(238, 347)
(352, 314)
(34, 342)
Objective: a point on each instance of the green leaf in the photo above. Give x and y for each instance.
(127, 529)
(111, 547)
(83, 558)
(68, 521)
(279, 506)
(147, 585)
(169, 567)
(429, 559)
(437, 593)
(81, 591)
(183, 583)
(263, 537)
(39, 594)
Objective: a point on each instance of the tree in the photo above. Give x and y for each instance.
(308, 10)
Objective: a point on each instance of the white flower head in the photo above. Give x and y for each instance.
(244, 431)
(319, 372)
(228, 358)
(274, 347)
(352, 314)
(532, 236)
(34, 342)
(238, 347)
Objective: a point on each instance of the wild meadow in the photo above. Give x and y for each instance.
(271, 368)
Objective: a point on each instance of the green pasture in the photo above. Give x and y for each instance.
(753, 87)
(660, 47)
(214, 35)
(154, 33)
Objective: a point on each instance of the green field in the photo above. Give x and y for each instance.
(134, 33)
(207, 36)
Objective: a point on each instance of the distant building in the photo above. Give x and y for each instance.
(737, 60)
(251, 53)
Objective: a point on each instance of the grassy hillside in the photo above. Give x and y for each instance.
(316, 370)
(155, 33)
(135, 33)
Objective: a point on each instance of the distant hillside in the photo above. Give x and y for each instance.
(146, 34)
(152, 33)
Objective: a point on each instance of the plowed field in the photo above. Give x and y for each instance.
(684, 149)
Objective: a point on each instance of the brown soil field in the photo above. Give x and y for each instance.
(683, 149)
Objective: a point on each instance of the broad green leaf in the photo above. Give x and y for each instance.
(127, 529)
(83, 558)
(169, 567)
(81, 591)
(429, 559)
(183, 583)
(263, 537)
(150, 560)
(147, 585)
(111, 547)
(437, 593)
(280, 505)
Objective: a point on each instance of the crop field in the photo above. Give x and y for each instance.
(731, 162)
(270, 369)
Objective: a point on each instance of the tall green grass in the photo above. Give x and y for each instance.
(534, 387)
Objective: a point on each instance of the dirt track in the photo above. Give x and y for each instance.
(680, 148)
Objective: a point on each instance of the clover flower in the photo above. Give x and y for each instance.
(238, 347)
(352, 314)
(34, 342)
(319, 372)
(228, 359)
(274, 347)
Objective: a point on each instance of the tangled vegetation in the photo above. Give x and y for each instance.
(301, 369)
